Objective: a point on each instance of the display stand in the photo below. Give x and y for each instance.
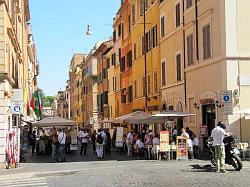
(181, 149)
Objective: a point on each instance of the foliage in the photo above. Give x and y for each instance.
(47, 101)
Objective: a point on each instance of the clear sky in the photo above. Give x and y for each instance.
(59, 28)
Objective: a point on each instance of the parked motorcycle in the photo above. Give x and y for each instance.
(232, 153)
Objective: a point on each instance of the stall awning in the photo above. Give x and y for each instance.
(54, 121)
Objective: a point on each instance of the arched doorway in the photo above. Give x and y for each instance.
(179, 108)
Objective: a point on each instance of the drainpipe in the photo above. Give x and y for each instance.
(196, 30)
(184, 55)
(145, 54)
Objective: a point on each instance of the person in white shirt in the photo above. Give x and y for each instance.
(218, 134)
(61, 140)
(139, 146)
(99, 143)
(129, 141)
(84, 137)
(189, 142)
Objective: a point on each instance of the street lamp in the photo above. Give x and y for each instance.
(88, 32)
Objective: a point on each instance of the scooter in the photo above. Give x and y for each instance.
(232, 153)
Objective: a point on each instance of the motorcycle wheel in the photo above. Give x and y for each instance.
(213, 160)
(236, 162)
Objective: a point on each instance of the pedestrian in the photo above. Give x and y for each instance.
(218, 134)
(33, 141)
(93, 140)
(108, 143)
(190, 133)
(189, 142)
(84, 136)
(55, 145)
(129, 141)
(174, 133)
(62, 141)
(196, 146)
(156, 146)
(139, 146)
(99, 144)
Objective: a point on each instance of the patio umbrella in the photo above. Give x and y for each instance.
(137, 117)
(106, 121)
(54, 121)
(165, 115)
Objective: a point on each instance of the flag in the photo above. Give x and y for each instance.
(36, 104)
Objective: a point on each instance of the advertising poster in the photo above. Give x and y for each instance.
(164, 141)
(182, 149)
(119, 135)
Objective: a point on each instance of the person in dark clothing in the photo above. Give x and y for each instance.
(108, 143)
(33, 141)
(93, 140)
(190, 133)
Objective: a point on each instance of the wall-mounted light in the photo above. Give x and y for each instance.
(217, 103)
(196, 106)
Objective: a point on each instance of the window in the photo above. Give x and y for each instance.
(123, 95)
(114, 35)
(120, 54)
(178, 67)
(142, 6)
(119, 30)
(113, 84)
(122, 65)
(148, 46)
(177, 15)
(148, 85)
(130, 94)
(133, 14)
(113, 59)
(190, 50)
(135, 48)
(129, 59)
(129, 24)
(206, 42)
(108, 63)
(162, 26)
(155, 83)
(135, 89)
(154, 36)
(163, 73)
(142, 44)
(189, 3)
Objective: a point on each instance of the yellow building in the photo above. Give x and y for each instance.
(146, 94)
(18, 68)
(171, 57)
(211, 76)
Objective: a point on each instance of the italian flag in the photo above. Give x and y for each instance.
(36, 104)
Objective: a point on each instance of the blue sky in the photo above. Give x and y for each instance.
(59, 28)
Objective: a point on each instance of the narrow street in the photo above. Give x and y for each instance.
(118, 170)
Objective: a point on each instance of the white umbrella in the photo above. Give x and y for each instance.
(54, 121)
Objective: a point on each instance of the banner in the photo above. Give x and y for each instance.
(164, 141)
(36, 104)
(182, 148)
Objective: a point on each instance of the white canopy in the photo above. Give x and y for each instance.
(54, 121)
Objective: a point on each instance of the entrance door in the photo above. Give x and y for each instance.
(208, 117)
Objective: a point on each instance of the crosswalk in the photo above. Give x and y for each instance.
(23, 182)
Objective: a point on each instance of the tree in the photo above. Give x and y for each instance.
(47, 101)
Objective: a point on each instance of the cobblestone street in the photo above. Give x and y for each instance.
(117, 170)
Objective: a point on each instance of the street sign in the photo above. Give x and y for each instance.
(16, 107)
(226, 102)
(16, 95)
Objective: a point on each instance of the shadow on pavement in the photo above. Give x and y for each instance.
(199, 168)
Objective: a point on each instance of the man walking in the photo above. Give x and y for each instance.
(84, 136)
(99, 144)
(218, 134)
(61, 140)
(129, 141)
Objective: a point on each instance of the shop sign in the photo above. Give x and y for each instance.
(207, 101)
(164, 141)
(226, 102)
(16, 95)
(16, 107)
(182, 149)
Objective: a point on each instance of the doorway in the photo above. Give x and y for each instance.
(208, 117)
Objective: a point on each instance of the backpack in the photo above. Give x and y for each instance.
(99, 139)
